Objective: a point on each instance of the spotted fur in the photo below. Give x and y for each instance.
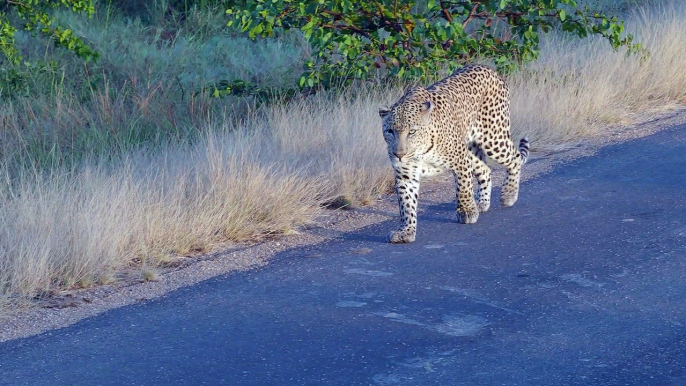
(454, 124)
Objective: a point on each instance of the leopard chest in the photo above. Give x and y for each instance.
(432, 164)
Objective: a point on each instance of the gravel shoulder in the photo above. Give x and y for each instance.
(68, 307)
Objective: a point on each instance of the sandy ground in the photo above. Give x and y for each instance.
(68, 307)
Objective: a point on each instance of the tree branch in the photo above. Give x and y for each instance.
(347, 27)
(470, 16)
(446, 14)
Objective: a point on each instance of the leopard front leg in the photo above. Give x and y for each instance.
(467, 210)
(407, 189)
(483, 175)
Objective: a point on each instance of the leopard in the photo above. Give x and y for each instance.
(454, 125)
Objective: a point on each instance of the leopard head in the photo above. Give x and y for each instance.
(406, 125)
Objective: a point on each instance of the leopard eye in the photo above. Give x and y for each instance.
(412, 132)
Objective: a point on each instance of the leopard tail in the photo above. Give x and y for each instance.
(524, 149)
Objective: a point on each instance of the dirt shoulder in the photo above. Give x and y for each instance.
(68, 307)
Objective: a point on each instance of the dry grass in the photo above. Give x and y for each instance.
(579, 87)
(78, 230)
(265, 177)
(269, 172)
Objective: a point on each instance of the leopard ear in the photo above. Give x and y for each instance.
(411, 88)
(427, 107)
(383, 112)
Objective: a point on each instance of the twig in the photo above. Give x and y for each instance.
(447, 14)
(470, 16)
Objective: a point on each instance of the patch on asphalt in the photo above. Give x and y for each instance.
(452, 325)
(458, 325)
(582, 281)
(477, 297)
(409, 371)
(400, 318)
(350, 304)
(367, 272)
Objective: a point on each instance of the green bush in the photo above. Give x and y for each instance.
(418, 39)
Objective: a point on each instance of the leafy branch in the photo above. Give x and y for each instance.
(35, 17)
(401, 38)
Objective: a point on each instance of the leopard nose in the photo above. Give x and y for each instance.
(399, 155)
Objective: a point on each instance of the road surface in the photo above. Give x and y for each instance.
(582, 282)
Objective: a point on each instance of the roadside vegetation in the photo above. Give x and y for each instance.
(130, 162)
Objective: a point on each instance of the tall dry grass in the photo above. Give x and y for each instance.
(579, 87)
(268, 173)
(265, 176)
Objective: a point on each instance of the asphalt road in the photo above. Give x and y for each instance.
(582, 282)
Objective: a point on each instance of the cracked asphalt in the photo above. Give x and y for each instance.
(582, 282)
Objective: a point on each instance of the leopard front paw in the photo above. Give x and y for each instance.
(508, 199)
(467, 217)
(402, 235)
(483, 205)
